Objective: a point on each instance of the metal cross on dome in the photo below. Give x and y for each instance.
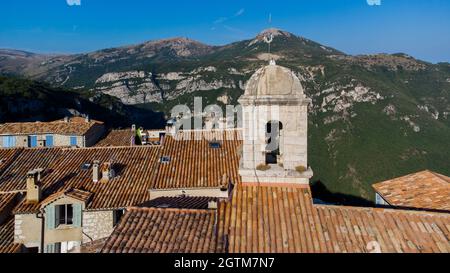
(268, 38)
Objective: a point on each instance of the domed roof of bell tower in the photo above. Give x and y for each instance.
(274, 80)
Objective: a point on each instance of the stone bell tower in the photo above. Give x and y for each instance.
(275, 125)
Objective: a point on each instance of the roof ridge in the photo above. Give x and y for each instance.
(170, 209)
(441, 177)
(109, 147)
(388, 210)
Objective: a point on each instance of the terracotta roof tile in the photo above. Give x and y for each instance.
(7, 244)
(117, 138)
(7, 156)
(75, 126)
(132, 165)
(181, 202)
(157, 230)
(283, 219)
(13, 177)
(422, 190)
(7, 200)
(193, 163)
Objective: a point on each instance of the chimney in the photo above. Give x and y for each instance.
(33, 187)
(212, 204)
(107, 172)
(87, 119)
(96, 171)
(171, 127)
(66, 119)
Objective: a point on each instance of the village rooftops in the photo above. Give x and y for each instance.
(125, 137)
(7, 203)
(71, 173)
(157, 230)
(191, 164)
(284, 219)
(117, 138)
(270, 218)
(69, 126)
(189, 161)
(7, 244)
(422, 190)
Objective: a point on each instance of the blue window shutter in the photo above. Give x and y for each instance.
(5, 142)
(32, 141)
(9, 142)
(77, 215)
(73, 141)
(50, 216)
(49, 141)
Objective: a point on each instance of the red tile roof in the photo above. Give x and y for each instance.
(7, 244)
(283, 219)
(422, 190)
(133, 167)
(116, 138)
(156, 230)
(13, 177)
(78, 194)
(7, 156)
(75, 126)
(180, 202)
(193, 163)
(7, 201)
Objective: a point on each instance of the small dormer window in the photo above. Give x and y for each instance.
(214, 144)
(165, 159)
(86, 166)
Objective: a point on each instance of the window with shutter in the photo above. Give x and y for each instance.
(77, 215)
(9, 142)
(49, 141)
(50, 216)
(73, 141)
(32, 141)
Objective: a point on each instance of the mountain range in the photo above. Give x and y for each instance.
(373, 117)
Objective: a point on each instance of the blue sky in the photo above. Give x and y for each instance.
(417, 27)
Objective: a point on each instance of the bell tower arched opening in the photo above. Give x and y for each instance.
(273, 142)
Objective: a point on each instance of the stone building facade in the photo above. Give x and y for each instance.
(78, 132)
(97, 224)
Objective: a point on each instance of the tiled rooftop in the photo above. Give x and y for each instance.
(422, 190)
(7, 156)
(283, 219)
(75, 126)
(194, 163)
(7, 200)
(156, 230)
(116, 138)
(132, 165)
(13, 177)
(180, 202)
(7, 237)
